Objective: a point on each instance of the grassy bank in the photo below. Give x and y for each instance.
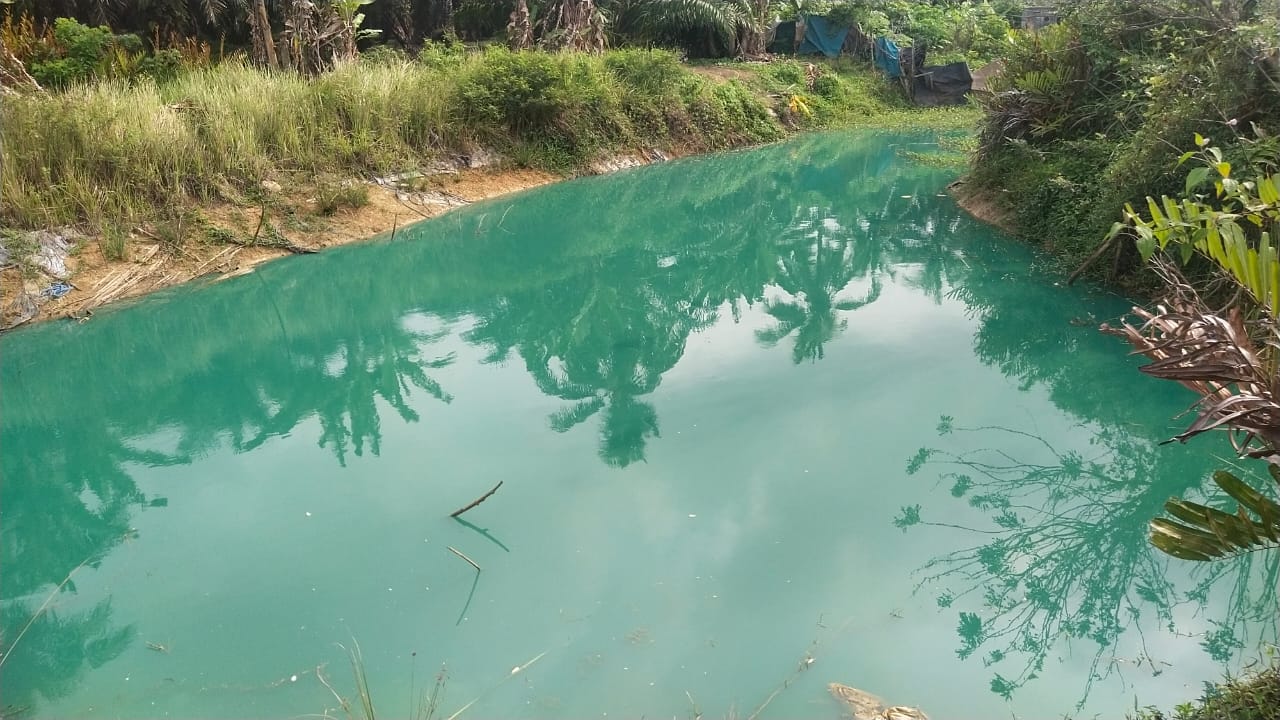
(1254, 697)
(116, 154)
(110, 156)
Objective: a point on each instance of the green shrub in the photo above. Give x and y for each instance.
(162, 66)
(80, 53)
(384, 55)
(652, 72)
(867, 19)
(746, 120)
(925, 24)
(83, 50)
(569, 99)
(830, 86)
(787, 72)
(517, 91)
(442, 55)
(333, 195)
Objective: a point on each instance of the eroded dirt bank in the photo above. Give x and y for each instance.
(983, 205)
(237, 243)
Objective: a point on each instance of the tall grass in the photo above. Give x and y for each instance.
(115, 153)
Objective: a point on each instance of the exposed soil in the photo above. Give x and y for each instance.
(984, 205)
(153, 264)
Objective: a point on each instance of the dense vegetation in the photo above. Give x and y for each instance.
(1094, 113)
(1137, 141)
(134, 123)
(115, 153)
(700, 28)
(1256, 697)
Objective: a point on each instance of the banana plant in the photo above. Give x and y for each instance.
(353, 19)
(1198, 532)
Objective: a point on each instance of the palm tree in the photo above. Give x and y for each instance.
(56, 651)
(742, 24)
(264, 45)
(813, 273)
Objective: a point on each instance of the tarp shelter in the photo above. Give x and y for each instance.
(821, 36)
(784, 38)
(814, 35)
(885, 55)
(924, 84)
(942, 85)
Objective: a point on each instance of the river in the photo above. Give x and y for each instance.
(763, 420)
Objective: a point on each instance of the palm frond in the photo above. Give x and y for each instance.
(1198, 532)
(568, 418)
(213, 9)
(666, 15)
(1220, 358)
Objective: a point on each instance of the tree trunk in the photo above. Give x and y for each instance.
(264, 47)
(401, 16)
(449, 30)
(578, 26)
(520, 30)
(752, 43)
(13, 74)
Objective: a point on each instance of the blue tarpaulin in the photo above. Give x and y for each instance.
(822, 36)
(886, 57)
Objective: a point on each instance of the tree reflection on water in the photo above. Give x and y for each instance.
(1064, 554)
(597, 290)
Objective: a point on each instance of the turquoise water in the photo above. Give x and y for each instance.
(774, 418)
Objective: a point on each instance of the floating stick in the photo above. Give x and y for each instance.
(459, 553)
(476, 502)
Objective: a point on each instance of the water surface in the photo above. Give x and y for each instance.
(785, 416)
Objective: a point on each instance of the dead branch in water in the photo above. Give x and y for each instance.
(1222, 356)
(1093, 257)
(477, 501)
(460, 554)
(514, 672)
